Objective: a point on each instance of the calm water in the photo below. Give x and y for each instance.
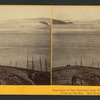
(77, 41)
(16, 40)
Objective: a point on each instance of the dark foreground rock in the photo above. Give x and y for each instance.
(20, 76)
(76, 75)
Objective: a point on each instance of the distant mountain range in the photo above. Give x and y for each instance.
(55, 21)
(30, 22)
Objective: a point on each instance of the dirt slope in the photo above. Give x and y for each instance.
(82, 75)
(20, 76)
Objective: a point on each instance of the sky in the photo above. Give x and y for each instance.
(76, 13)
(20, 12)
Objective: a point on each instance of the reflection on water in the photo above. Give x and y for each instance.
(75, 42)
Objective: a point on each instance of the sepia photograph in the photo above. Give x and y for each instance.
(25, 45)
(76, 45)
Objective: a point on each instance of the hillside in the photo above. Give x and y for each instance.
(20, 76)
(87, 76)
(55, 21)
(34, 21)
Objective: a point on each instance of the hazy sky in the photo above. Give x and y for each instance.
(76, 13)
(19, 12)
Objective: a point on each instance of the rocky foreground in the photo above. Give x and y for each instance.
(20, 76)
(76, 75)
